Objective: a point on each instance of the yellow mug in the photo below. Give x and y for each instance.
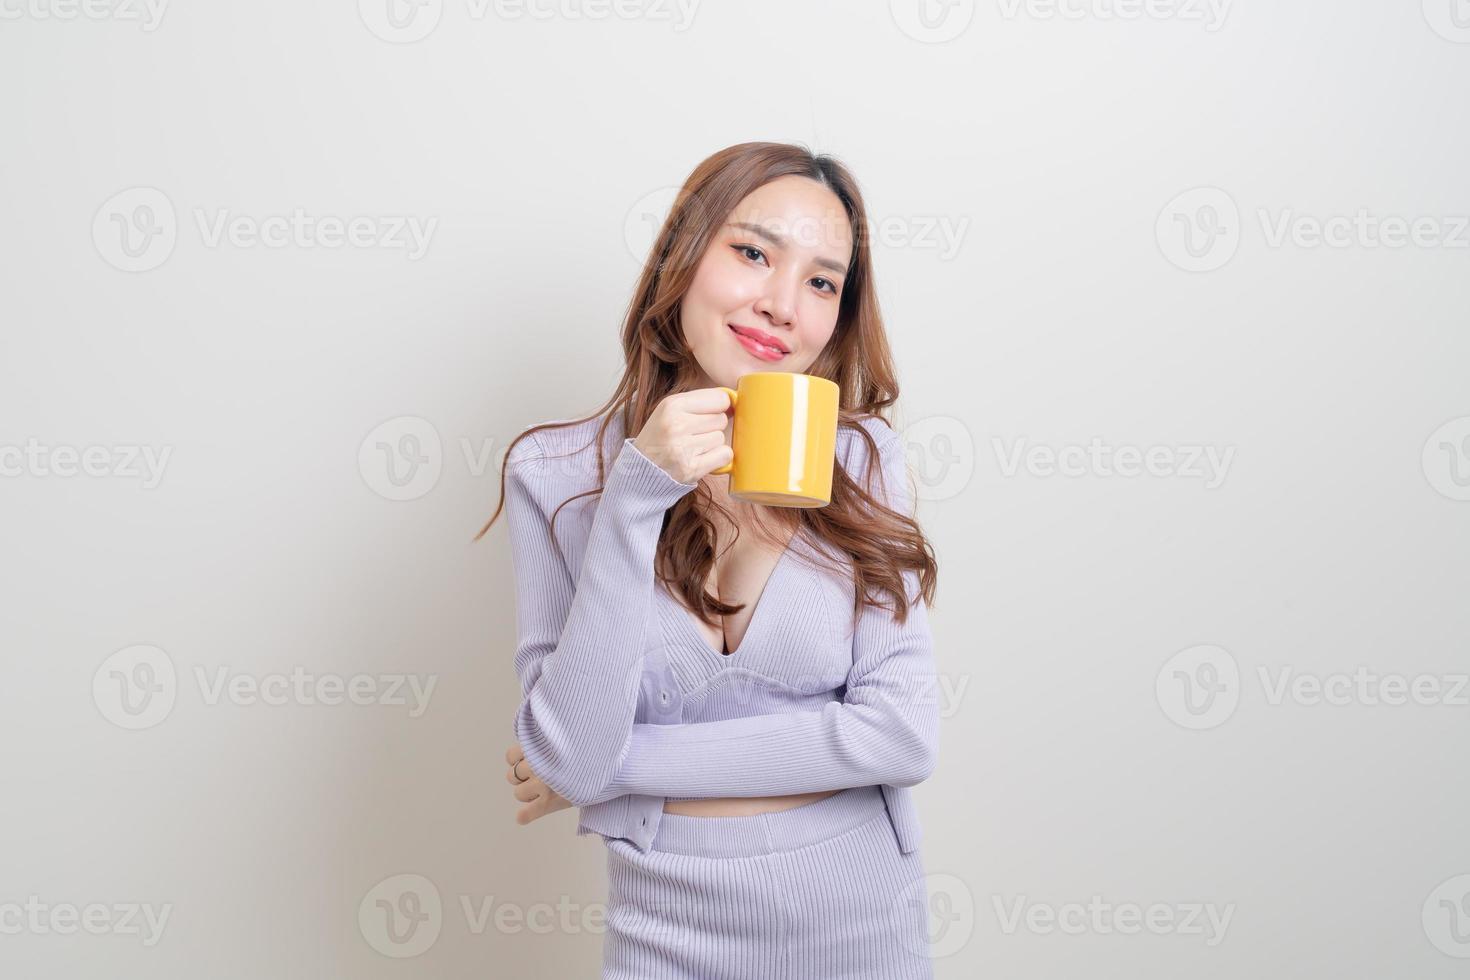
(784, 437)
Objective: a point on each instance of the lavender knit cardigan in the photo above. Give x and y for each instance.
(601, 718)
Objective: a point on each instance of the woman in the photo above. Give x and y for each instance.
(738, 697)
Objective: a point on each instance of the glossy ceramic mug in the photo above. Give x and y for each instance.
(785, 439)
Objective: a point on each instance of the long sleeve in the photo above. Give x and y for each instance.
(885, 730)
(579, 648)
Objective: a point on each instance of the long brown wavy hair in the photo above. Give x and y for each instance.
(880, 544)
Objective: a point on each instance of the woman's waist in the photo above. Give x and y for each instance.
(742, 806)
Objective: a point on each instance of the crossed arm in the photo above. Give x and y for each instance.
(579, 659)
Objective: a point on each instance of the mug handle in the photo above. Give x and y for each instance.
(733, 396)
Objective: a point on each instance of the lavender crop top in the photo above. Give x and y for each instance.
(625, 704)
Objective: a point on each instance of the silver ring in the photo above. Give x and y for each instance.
(516, 774)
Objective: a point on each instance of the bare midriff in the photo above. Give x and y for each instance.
(743, 806)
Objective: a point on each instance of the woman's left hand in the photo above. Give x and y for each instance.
(539, 798)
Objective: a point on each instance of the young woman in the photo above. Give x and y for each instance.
(738, 697)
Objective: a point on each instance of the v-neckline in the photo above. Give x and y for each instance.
(691, 628)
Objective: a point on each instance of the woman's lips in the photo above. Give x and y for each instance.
(758, 349)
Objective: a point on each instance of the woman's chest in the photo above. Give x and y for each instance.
(792, 641)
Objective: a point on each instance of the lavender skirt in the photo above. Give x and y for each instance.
(816, 891)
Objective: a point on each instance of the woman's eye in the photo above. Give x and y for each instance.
(749, 250)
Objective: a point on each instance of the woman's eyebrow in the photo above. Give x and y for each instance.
(778, 240)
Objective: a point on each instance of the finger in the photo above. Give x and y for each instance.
(712, 404)
(520, 766)
(706, 441)
(529, 812)
(530, 790)
(714, 458)
(514, 754)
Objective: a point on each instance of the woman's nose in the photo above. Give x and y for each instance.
(778, 302)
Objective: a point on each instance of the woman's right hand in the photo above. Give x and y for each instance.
(685, 434)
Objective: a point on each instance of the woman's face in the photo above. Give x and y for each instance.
(773, 274)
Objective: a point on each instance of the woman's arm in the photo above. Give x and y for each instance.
(579, 648)
(885, 730)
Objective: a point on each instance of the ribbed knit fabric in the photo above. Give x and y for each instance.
(816, 892)
(623, 705)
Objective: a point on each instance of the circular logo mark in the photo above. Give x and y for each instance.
(402, 458)
(135, 230)
(400, 21)
(1450, 19)
(401, 916)
(1446, 459)
(1199, 687)
(1199, 230)
(941, 456)
(644, 220)
(945, 913)
(135, 687)
(1447, 917)
(932, 21)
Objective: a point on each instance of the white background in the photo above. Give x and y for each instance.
(1079, 297)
